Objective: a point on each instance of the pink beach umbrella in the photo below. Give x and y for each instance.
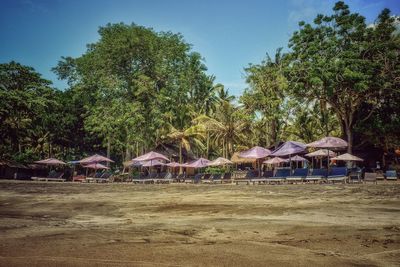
(199, 163)
(256, 152)
(95, 159)
(329, 142)
(276, 161)
(173, 164)
(51, 161)
(320, 153)
(220, 162)
(151, 156)
(96, 166)
(152, 163)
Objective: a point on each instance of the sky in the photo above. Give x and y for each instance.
(229, 34)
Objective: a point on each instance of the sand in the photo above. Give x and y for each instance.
(72, 224)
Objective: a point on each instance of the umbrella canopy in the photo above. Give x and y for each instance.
(329, 142)
(347, 157)
(174, 164)
(95, 159)
(51, 161)
(298, 158)
(152, 163)
(276, 160)
(321, 153)
(220, 162)
(151, 156)
(199, 163)
(256, 152)
(96, 166)
(289, 148)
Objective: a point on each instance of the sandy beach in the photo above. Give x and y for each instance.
(66, 224)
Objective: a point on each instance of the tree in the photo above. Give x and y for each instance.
(135, 72)
(186, 138)
(343, 62)
(227, 127)
(266, 97)
(27, 106)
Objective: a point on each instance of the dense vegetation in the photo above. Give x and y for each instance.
(135, 89)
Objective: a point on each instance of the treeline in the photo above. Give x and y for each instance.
(135, 89)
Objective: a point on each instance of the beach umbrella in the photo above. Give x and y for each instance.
(289, 148)
(257, 153)
(347, 157)
(220, 162)
(95, 159)
(198, 163)
(275, 161)
(152, 163)
(151, 156)
(173, 165)
(50, 161)
(329, 142)
(298, 158)
(96, 166)
(320, 153)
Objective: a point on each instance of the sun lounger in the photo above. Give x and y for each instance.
(180, 178)
(194, 179)
(165, 178)
(78, 178)
(337, 174)
(207, 178)
(355, 177)
(106, 177)
(316, 175)
(279, 176)
(145, 180)
(391, 175)
(380, 175)
(247, 178)
(370, 177)
(216, 178)
(225, 178)
(52, 177)
(262, 179)
(298, 175)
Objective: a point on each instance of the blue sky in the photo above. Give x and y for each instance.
(228, 34)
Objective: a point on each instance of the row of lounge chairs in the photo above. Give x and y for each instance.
(336, 174)
(53, 176)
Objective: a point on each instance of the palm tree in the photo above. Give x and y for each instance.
(227, 127)
(187, 137)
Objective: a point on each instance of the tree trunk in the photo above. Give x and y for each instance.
(180, 157)
(208, 144)
(108, 149)
(349, 134)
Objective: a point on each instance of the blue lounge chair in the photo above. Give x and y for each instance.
(280, 175)
(391, 175)
(298, 175)
(316, 175)
(337, 174)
